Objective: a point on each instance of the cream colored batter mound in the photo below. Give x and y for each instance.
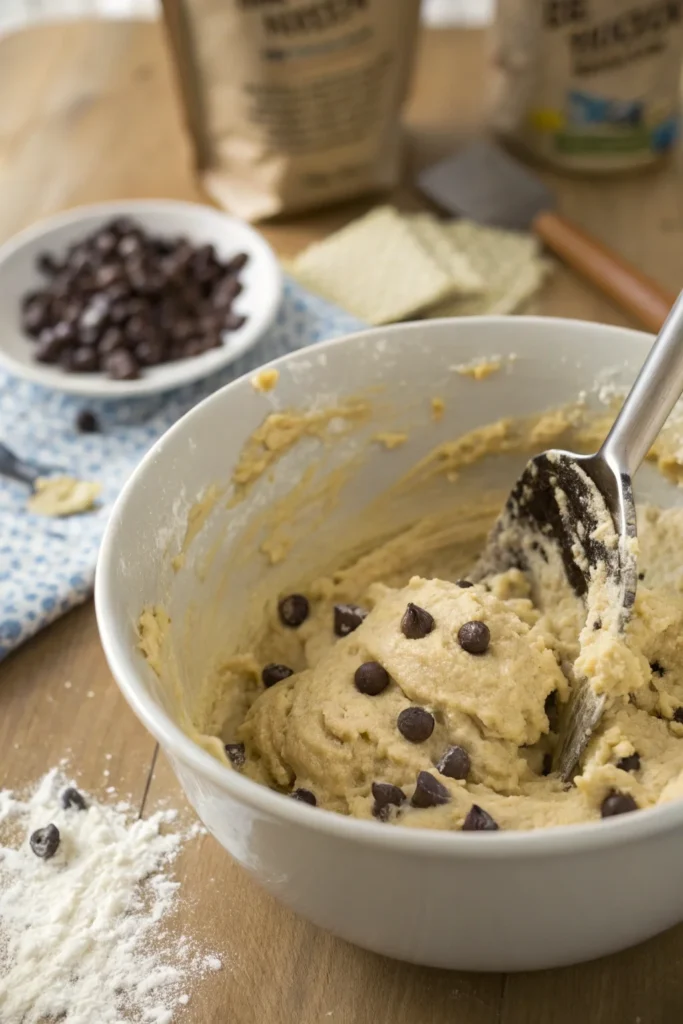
(485, 719)
(63, 496)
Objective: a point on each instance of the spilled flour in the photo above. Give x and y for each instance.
(82, 935)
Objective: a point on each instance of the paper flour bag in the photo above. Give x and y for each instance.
(293, 104)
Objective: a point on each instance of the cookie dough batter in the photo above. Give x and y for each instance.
(392, 687)
(63, 496)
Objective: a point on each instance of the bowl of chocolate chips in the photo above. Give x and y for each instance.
(134, 297)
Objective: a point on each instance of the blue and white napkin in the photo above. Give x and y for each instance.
(48, 565)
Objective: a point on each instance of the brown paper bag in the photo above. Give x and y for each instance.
(293, 104)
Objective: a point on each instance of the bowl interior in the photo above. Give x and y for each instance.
(223, 573)
(261, 277)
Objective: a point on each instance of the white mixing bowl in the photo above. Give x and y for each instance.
(473, 901)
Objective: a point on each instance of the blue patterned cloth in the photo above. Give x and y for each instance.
(48, 565)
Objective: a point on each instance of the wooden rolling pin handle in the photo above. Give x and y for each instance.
(631, 290)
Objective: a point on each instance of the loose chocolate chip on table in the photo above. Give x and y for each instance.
(347, 617)
(678, 716)
(631, 763)
(617, 803)
(657, 669)
(305, 796)
(455, 763)
(463, 584)
(371, 678)
(479, 820)
(429, 792)
(72, 798)
(474, 637)
(293, 610)
(641, 575)
(273, 674)
(235, 753)
(416, 622)
(45, 841)
(415, 724)
(386, 796)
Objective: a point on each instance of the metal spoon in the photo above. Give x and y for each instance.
(25, 472)
(580, 508)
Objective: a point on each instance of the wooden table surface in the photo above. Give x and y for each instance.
(88, 113)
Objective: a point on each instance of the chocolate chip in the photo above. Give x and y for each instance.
(416, 622)
(678, 715)
(597, 624)
(105, 242)
(371, 678)
(305, 796)
(429, 792)
(72, 798)
(35, 316)
(551, 711)
(657, 669)
(236, 754)
(47, 264)
(111, 340)
(455, 763)
(121, 365)
(479, 820)
(49, 347)
(225, 293)
(474, 637)
(149, 352)
(84, 359)
(108, 275)
(45, 841)
(237, 263)
(386, 796)
(415, 724)
(617, 803)
(463, 584)
(631, 763)
(233, 321)
(347, 618)
(293, 610)
(273, 674)
(641, 575)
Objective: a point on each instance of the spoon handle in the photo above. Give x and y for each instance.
(657, 388)
(16, 469)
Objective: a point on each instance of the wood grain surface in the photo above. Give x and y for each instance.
(88, 113)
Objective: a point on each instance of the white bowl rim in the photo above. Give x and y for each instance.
(78, 384)
(503, 844)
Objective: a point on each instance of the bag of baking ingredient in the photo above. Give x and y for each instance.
(589, 85)
(293, 104)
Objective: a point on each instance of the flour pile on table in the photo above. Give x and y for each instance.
(84, 891)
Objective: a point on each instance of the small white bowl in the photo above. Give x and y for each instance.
(259, 301)
(465, 900)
